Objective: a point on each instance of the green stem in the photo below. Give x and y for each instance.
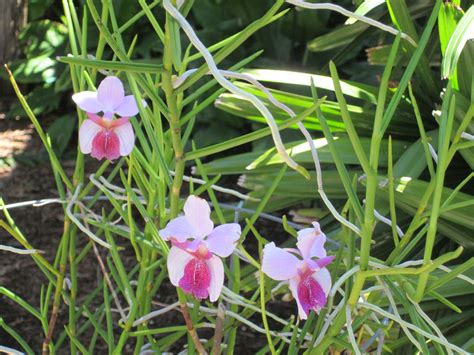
(391, 192)
(340, 319)
(336, 327)
(44, 138)
(174, 121)
(113, 65)
(264, 311)
(175, 129)
(369, 219)
(73, 277)
(13, 230)
(57, 294)
(443, 151)
(235, 287)
(372, 181)
(416, 222)
(135, 307)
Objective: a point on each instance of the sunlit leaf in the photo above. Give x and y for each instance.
(464, 32)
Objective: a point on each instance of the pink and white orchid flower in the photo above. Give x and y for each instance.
(194, 262)
(105, 138)
(309, 280)
(110, 99)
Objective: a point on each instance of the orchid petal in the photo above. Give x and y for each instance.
(217, 277)
(126, 136)
(181, 245)
(312, 264)
(176, 262)
(87, 132)
(179, 229)
(311, 242)
(323, 262)
(198, 212)
(87, 101)
(96, 118)
(279, 264)
(293, 286)
(223, 238)
(110, 93)
(118, 122)
(323, 278)
(128, 107)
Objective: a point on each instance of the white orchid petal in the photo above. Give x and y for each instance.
(179, 229)
(323, 278)
(128, 107)
(127, 138)
(198, 214)
(87, 132)
(110, 94)
(176, 262)
(293, 286)
(223, 238)
(87, 101)
(279, 264)
(217, 277)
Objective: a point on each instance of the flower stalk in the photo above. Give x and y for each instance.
(174, 119)
(175, 130)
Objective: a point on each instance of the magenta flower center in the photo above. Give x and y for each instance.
(106, 144)
(310, 293)
(197, 278)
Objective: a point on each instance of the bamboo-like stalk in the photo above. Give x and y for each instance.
(175, 128)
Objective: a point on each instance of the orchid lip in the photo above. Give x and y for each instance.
(196, 278)
(310, 294)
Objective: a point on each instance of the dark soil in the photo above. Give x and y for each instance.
(41, 226)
